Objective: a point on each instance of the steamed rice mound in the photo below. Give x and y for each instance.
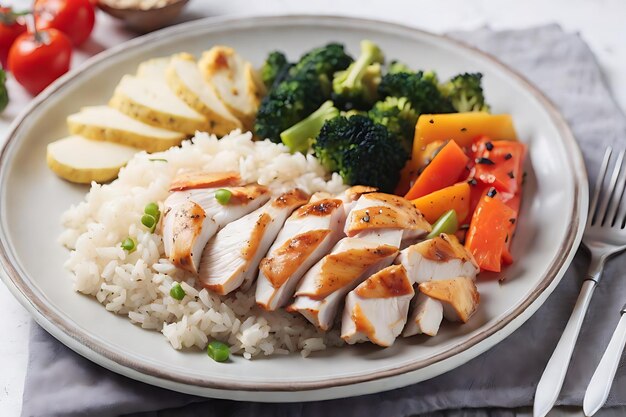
(138, 284)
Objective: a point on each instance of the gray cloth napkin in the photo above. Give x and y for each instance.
(61, 383)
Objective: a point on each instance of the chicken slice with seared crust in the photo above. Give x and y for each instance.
(441, 257)
(376, 310)
(352, 260)
(186, 229)
(459, 296)
(190, 200)
(352, 195)
(308, 234)
(386, 211)
(231, 258)
(202, 179)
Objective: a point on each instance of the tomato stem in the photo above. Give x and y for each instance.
(32, 28)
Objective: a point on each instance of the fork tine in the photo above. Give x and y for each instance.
(604, 205)
(598, 188)
(618, 196)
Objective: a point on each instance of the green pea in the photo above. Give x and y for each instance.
(218, 351)
(152, 209)
(223, 196)
(447, 223)
(128, 245)
(149, 221)
(177, 292)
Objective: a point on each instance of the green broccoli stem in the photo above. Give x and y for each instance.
(370, 53)
(298, 137)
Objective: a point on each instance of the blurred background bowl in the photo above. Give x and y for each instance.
(146, 20)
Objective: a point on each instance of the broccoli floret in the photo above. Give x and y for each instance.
(397, 115)
(397, 66)
(274, 65)
(361, 151)
(431, 76)
(421, 91)
(287, 103)
(305, 87)
(299, 136)
(324, 61)
(357, 85)
(465, 92)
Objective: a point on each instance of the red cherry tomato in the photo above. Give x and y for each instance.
(11, 26)
(38, 59)
(75, 18)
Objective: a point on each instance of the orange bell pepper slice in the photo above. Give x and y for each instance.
(444, 170)
(434, 205)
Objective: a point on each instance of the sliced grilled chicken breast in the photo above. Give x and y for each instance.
(309, 234)
(201, 179)
(243, 200)
(186, 230)
(351, 261)
(459, 297)
(352, 195)
(376, 310)
(178, 211)
(442, 257)
(383, 211)
(230, 260)
(426, 316)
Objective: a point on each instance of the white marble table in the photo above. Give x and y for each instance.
(601, 23)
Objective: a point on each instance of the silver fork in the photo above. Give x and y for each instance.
(605, 235)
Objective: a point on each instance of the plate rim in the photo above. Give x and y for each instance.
(93, 349)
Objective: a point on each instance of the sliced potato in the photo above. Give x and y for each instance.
(153, 68)
(111, 125)
(81, 160)
(151, 101)
(459, 296)
(185, 79)
(234, 80)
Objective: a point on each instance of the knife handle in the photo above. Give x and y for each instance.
(553, 376)
(602, 379)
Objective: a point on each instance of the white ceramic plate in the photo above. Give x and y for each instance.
(32, 199)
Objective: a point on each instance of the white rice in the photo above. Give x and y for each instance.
(138, 284)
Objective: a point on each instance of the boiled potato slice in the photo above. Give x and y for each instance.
(81, 160)
(153, 67)
(151, 101)
(185, 79)
(459, 296)
(109, 124)
(234, 80)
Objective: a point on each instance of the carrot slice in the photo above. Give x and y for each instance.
(444, 170)
(488, 234)
(456, 197)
